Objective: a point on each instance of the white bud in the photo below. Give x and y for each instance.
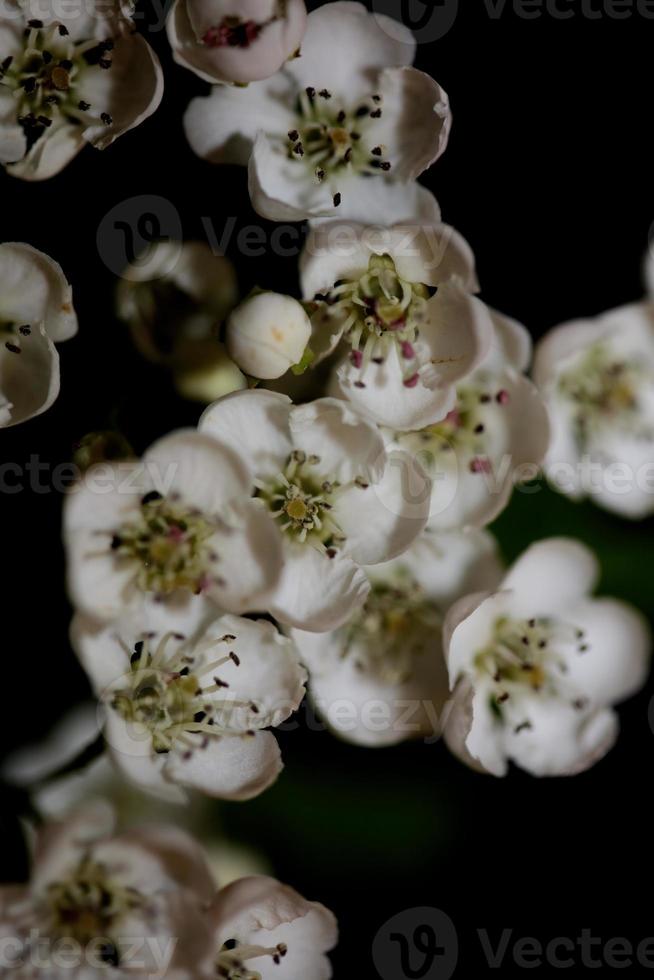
(203, 372)
(267, 334)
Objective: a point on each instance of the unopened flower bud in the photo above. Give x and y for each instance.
(204, 372)
(267, 334)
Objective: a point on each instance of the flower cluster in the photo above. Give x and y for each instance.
(323, 530)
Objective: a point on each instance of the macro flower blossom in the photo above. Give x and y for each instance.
(343, 130)
(495, 435)
(132, 902)
(265, 930)
(537, 667)
(381, 677)
(238, 41)
(597, 378)
(322, 479)
(267, 334)
(72, 74)
(178, 522)
(36, 311)
(188, 695)
(398, 302)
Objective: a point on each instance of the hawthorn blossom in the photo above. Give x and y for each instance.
(537, 666)
(267, 334)
(264, 930)
(69, 77)
(597, 378)
(176, 523)
(188, 695)
(495, 435)
(400, 300)
(343, 130)
(132, 902)
(36, 310)
(323, 481)
(237, 41)
(381, 677)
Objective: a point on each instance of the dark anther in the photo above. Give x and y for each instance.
(29, 85)
(341, 116)
(293, 135)
(47, 57)
(324, 94)
(66, 64)
(337, 200)
(116, 542)
(106, 119)
(376, 151)
(311, 92)
(63, 30)
(362, 111)
(84, 106)
(376, 114)
(25, 330)
(12, 347)
(150, 497)
(35, 23)
(199, 716)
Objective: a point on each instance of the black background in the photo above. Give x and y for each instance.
(549, 176)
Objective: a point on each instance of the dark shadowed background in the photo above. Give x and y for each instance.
(549, 176)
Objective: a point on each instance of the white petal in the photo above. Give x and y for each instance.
(33, 289)
(181, 857)
(129, 92)
(452, 564)
(315, 592)
(551, 575)
(619, 642)
(381, 520)
(222, 126)
(347, 444)
(231, 767)
(561, 741)
(383, 203)
(416, 121)
(249, 560)
(387, 400)
(268, 675)
(49, 155)
(282, 189)
(458, 335)
(366, 710)
(131, 751)
(511, 343)
(29, 380)
(255, 424)
(345, 46)
(261, 912)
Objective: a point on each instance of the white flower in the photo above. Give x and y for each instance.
(235, 40)
(597, 378)
(265, 930)
(373, 290)
(188, 695)
(496, 434)
(176, 523)
(65, 81)
(36, 310)
(537, 667)
(133, 902)
(381, 678)
(346, 128)
(327, 487)
(267, 334)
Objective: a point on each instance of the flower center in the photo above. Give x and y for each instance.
(463, 432)
(379, 310)
(232, 32)
(13, 335)
(169, 544)
(333, 141)
(603, 390)
(527, 657)
(88, 905)
(164, 695)
(45, 76)
(233, 957)
(396, 624)
(302, 501)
